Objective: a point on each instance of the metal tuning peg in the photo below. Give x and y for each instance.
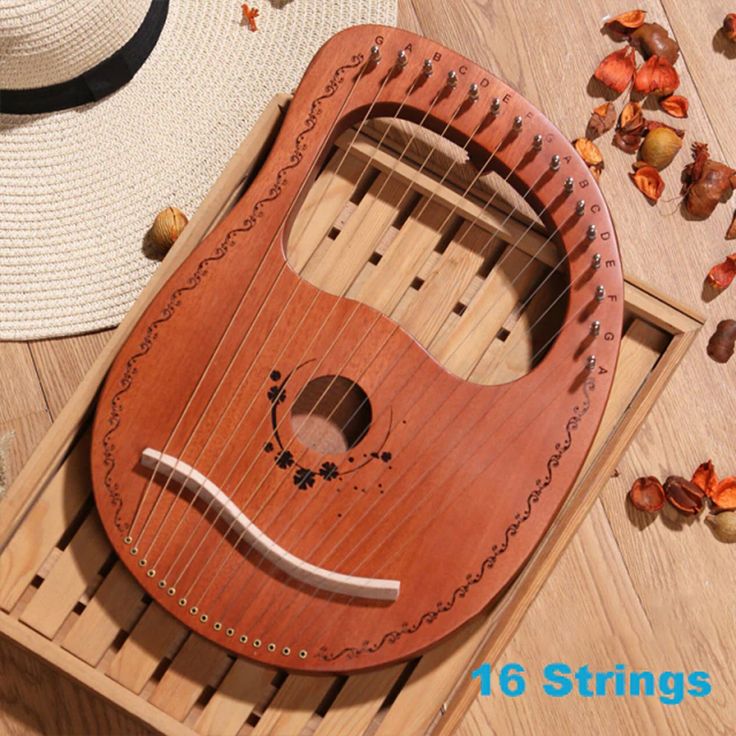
(554, 163)
(401, 59)
(595, 328)
(473, 92)
(596, 261)
(375, 54)
(590, 362)
(518, 122)
(427, 68)
(569, 184)
(495, 106)
(580, 207)
(600, 293)
(592, 232)
(538, 141)
(452, 79)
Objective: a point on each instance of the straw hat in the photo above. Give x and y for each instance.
(87, 158)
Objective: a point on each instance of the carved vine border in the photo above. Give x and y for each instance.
(578, 412)
(175, 300)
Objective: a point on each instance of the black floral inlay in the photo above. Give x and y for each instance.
(303, 476)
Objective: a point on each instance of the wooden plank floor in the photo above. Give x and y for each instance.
(660, 598)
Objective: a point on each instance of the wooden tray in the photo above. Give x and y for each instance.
(65, 597)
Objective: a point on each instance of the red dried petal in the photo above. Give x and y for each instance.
(729, 26)
(675, 105)
(601, 120)
(725, 494)
(722, 274)
(588, 151)
(705, 478)
(647, 494)
(617, 69)
(630, 19)
(684, 495)
(731, 232)
(648, 182)
(656, 75)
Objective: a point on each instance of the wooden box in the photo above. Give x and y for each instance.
(65, 597)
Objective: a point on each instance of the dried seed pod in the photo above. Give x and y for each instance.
(724, 496)
(647, 494)
(656, 76)
(729, 27)
(650, 39)
(588, 151)
(706, 182)
(722, 274)
(660, 147)
(166, 228)
(723, 526)
(601, 120)
(684, 495)
(626, 22)
(705, 478)
(617, 69)
(675, 105)
(721, 343)
(731, 232)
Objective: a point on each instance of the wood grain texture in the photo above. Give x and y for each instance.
(681, 578)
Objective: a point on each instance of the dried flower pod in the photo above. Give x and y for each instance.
(723, 526)
(656, 76)
(631, 128)
(166, 228)
(721, 343)
(601, 120)
(675, 105)
(684, 495)
(729, 27)
(650, 39)
(648, 182)
(725, 494)
(706, 182)
(650, 125)
(627, 21)
(617, 69)
(660, 147)
(588, 151)
(731, 232)
(722, 274)
(647, 494)
(705, 478)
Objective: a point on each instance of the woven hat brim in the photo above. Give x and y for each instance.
(79, 188)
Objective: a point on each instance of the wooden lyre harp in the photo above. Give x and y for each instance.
(287, 547)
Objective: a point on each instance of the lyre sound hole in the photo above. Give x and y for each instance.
(331, 414)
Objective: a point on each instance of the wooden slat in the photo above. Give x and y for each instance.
(237, 695)
(115, 605)
(156, 635)
(44, 525)
(293, 705)
(199, 663)
(358, 702)
(72, 574)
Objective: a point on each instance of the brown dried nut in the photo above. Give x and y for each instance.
(723, 526)
(601, 120)
(647, 494)
(660, 147)
(684, 495)
(725, 494)
(656, 76)
(648, 182)
(626, 22)
(650, 39)
(705, 478)
(722, 274)
(729, 27)
(166, 228)
(721, 343)
(617, 69)
(706, 182)
(675, 105)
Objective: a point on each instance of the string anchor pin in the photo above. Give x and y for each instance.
(600, 293)
(590, 362)
(473, 91)
(401, 59)
(427, 67)
(375, 54)
(537, 142)
(452, 79)
(596, 261)
(592, 232)
(569, 184)
(495, 106)
(595, 328)
(554, 163)
(580, 207)
(518, 122)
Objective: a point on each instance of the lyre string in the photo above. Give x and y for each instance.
(340, 332)
(481, 170)
(283, 350)
(424, 501)
(247, 373)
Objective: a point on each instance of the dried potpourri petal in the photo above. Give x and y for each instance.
(656, 76)
(650, 39)
(675, 105)
(601, 120)
(722, 274)
(705, 478)
(647, 494)
(706, 182)
(631, 128)
(725, 494)
(684, 495)
(731, 232)
(654, 124)
(588, 151)
(729, 26)
(626, 22)
(648, 182)
(617, 69)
